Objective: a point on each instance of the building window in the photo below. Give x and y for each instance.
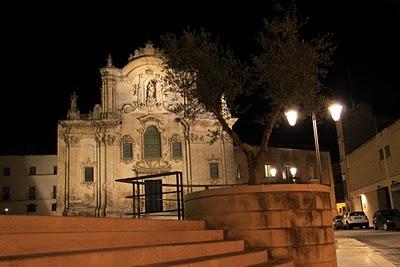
(31, 208)
(214, 174)
(54, 207)
(54, 169)
(54, 193)
(6, 171)
(238, 174)
(6, 193)
(127, 151)
(152, 143)
(89, 174)
(387, 151)
(270, 171)
(32, 193)
(32, 171)
(381, 155)
(176, 149)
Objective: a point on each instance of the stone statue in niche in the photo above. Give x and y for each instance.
(151, 89)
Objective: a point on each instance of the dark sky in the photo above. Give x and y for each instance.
(50, 50)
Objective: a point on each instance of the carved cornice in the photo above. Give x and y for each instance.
(196, 138)
(72, 140)
(213, 158)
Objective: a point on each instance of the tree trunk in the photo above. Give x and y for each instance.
(256, 173)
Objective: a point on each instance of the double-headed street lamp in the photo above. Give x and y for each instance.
(335, 111)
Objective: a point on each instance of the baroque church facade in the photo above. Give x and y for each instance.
(134, 131)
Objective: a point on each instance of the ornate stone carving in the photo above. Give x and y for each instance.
(225, 112)
(72, 140)
(127, 108)
(112, 139)
(100, 137)
(151, 120)
(108, 186)
(148, 50)
(196, 138)
(73, 112)
(174, 137)
(151, 165)
(213, 158)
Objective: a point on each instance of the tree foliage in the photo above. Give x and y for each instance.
(286, 73)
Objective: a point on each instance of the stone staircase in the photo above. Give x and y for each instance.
(83, 241)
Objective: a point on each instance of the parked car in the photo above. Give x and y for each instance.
(355, 219)
(338, 222)
(387, 219)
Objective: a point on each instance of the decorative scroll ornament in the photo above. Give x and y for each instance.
(108, 186)
(127, 108)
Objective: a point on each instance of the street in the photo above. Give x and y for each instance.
(386, 243)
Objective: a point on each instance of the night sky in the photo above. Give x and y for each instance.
(52, 50)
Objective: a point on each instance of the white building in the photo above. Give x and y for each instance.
(373, 172)
(28, 184)
(133, 131)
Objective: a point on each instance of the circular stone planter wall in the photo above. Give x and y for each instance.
(290, 221)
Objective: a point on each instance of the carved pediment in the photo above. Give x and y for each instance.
(150, 119)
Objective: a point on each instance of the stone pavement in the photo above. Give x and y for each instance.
(353, 253)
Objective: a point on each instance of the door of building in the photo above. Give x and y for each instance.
(384, 198)
(153, 191)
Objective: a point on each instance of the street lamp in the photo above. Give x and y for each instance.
(335, 111)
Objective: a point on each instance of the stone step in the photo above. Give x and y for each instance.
(33, 224)
(31, 243)
(245, 258)
(127, 256)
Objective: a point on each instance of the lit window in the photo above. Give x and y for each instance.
(238, 175)
(270, 171)
(6, 171)
(152, 143)
(387, 151)
(88, 174)
(214, 174)
(176, 149)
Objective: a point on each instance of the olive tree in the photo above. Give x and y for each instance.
(286, 72)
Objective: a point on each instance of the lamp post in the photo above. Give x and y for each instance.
(335, 111)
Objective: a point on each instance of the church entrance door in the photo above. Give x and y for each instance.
(153, 192)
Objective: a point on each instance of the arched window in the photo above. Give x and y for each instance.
(152, 143)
